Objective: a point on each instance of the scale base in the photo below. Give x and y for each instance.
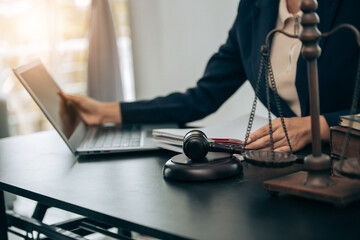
(213, 167)
(340, 194)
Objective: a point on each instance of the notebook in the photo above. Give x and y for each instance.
(82, 139)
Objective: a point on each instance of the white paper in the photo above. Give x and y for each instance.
(235, 128)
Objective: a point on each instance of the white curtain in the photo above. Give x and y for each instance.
(104, 80)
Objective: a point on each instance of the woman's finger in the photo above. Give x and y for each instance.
(278, 139)
(75, 99)
(282, 149)
(265, 130)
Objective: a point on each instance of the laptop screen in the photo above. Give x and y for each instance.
(62, 114)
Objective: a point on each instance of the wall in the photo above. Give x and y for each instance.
(172, 42)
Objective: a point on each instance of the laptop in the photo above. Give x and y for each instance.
(82, 139)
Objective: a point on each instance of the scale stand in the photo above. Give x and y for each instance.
(316, 183)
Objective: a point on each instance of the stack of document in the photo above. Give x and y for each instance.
(234, 130)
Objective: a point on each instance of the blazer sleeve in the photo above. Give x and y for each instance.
(224, 74)
(332, 118)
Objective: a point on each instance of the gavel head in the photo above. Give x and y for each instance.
(196, 145)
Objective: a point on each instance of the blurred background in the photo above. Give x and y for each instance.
(56, 31)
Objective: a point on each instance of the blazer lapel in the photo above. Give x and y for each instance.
(327, 10)
(263, 21)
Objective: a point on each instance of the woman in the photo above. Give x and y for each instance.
(238, 60)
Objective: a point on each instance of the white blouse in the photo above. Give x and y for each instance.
(285, 52)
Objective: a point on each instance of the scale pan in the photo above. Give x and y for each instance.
(269, 159)
(349, 167)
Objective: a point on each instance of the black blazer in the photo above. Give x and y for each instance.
(238, 60)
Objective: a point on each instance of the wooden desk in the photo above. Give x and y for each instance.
(128, 191)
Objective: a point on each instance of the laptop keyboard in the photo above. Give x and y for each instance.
(113, 137)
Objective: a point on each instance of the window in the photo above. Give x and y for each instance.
(56, 31)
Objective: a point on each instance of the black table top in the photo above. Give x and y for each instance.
(128, 190)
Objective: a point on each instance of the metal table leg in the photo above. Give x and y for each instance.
(3, 223)
(40, 211)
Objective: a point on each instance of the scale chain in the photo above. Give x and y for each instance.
(253, 109)
(267, 60)
(278, 106)
(266, 68)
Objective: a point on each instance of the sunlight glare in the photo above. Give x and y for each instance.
(32, 27)
(13, 8)
(82, 3)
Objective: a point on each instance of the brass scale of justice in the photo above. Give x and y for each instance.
(315, 182)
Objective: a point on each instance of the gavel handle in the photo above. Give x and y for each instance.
(215, 147)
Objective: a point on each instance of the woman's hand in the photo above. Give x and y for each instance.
(69, 118)
(298, 129)
(94, 112)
